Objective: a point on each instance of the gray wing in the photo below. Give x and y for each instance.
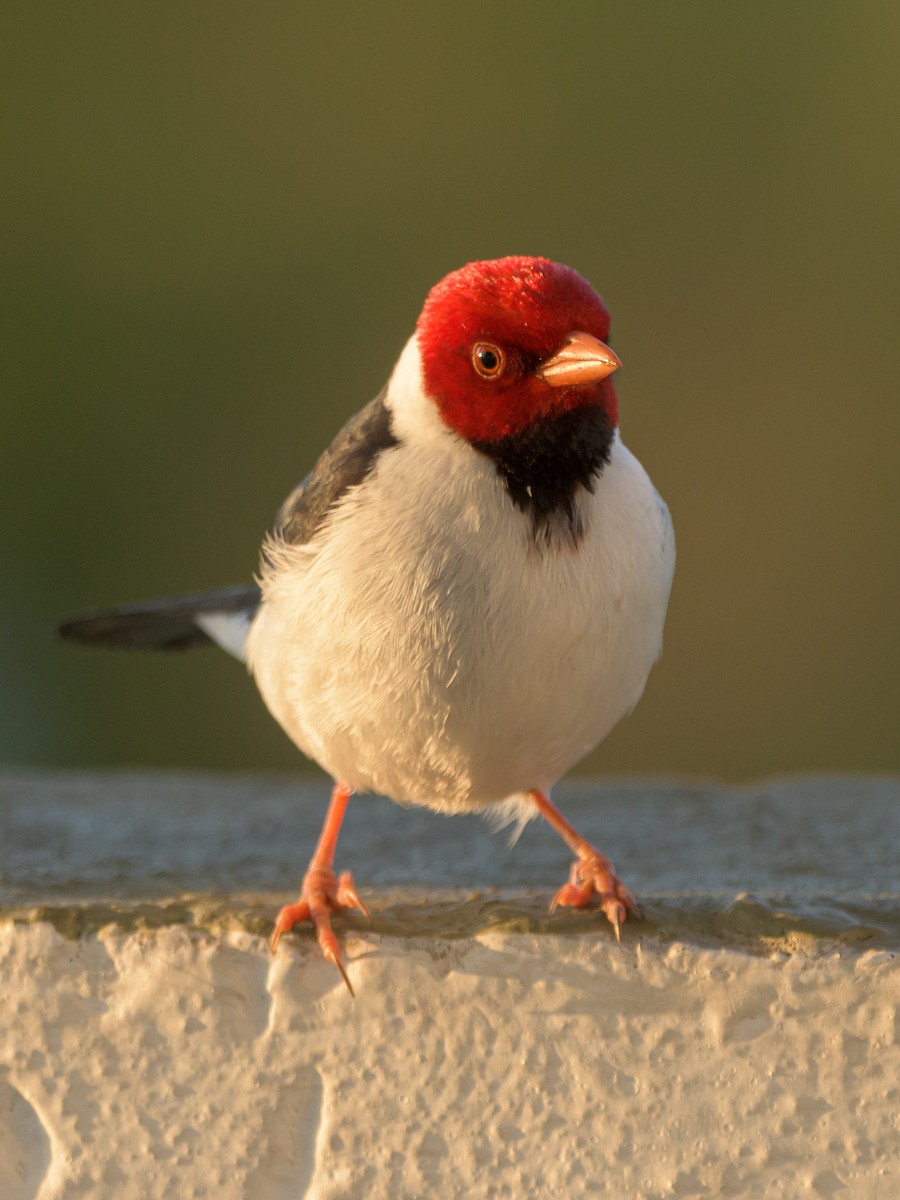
(169, 624)
(346, 463)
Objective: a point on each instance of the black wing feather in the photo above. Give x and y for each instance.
(159, 624)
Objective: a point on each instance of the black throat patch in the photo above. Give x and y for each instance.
(543, 467)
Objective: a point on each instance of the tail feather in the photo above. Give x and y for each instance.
(176, 623)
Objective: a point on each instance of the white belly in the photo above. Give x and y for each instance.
(435, 656)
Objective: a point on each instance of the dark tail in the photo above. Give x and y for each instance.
(170, 624)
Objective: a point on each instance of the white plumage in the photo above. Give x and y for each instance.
(424, 647)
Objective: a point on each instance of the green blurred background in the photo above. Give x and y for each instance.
(221, 221)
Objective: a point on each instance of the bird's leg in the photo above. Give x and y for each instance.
(322, 892)
(592, 873)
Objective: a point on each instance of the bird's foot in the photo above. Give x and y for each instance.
(321, 894)
(593, 875)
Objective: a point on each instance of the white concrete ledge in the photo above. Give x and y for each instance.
(151, 1047)
(185, 1064)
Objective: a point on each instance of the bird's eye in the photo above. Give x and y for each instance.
(488, 360)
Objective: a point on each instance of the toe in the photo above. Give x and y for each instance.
(570, 895)
(287, 919)
(349, 897)
(328, 942)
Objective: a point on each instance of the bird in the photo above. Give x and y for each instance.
(468, 590)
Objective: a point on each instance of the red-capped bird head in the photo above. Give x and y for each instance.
(514, 341)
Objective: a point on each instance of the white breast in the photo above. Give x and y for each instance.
(422, 647)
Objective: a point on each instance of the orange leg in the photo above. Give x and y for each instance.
(592, 874)
(322, 892)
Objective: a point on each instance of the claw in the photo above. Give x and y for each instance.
(345, 977)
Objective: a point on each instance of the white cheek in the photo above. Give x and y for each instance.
(415, 416)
